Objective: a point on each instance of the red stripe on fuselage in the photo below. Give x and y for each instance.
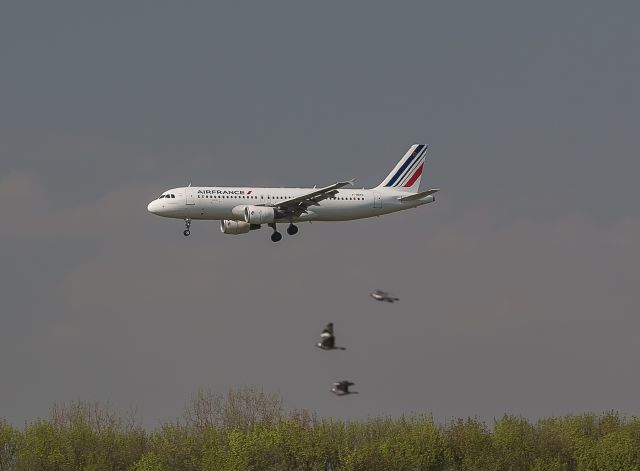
(416, 175)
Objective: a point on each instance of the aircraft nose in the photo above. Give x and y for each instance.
(153, 207)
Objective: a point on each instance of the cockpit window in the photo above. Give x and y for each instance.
(161, 196)
(173, 196)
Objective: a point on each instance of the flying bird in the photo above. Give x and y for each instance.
(341, 388)
(383, 296)
(327, 339)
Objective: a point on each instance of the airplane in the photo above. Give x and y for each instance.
(380, 295)
(327, 339)
(341, 388)
(244, 209)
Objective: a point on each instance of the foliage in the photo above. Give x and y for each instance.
(8, 445)
(247, 430)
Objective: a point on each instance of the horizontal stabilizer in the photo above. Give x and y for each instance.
(418, 196)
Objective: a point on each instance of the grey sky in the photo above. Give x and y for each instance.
(518, 287)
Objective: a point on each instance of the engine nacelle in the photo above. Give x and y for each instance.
(259, 214)
(228, 226)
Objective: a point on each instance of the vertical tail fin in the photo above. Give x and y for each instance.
(407, 173)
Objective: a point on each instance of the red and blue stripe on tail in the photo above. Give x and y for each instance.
(407, 173)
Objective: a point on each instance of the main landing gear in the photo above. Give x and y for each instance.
(277, 237)
(187, 224)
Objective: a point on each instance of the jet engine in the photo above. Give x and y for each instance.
(259, 214)
(228, 226)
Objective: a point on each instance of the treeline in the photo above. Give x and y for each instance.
(247, 429)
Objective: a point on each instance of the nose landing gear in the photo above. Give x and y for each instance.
(187, 224)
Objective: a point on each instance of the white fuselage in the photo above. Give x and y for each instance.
(220, 203)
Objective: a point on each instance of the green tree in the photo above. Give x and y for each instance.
(515, 443)
(617, 451)
(553, 446)
(8, 445)
(177, 447)
(470, 445)
(41, 449)
(148, 462)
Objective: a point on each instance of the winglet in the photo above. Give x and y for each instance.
(343, 184)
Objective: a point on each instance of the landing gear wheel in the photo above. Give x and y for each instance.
(276, 237)
(292, 229)
(187, 224)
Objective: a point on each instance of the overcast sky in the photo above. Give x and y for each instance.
(519, 287)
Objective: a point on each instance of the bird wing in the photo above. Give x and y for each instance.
(327, 340)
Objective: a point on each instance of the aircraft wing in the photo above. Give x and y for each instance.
(313, 198)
